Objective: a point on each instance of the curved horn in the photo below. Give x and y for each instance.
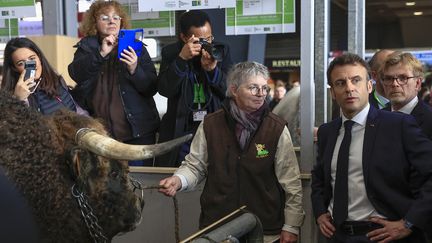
(110, 148)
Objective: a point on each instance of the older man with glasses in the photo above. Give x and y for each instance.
(401, 76)
(246, 155)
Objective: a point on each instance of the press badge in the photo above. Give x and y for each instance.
(199, 115)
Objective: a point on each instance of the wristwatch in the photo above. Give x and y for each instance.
(408, 224)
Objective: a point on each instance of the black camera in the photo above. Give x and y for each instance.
(215, 50)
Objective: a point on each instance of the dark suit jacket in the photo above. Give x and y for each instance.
(393, 147)
(423, 115)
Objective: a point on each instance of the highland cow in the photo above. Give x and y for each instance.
(57, 168)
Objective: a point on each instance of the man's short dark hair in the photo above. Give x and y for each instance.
(193, 18)
(346, 59)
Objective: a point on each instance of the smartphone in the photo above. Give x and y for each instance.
(132, 38)
(30, 69)
(30, 72)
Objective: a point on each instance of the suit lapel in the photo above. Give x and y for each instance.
(369, 140)
(418, 112)
(332, 137)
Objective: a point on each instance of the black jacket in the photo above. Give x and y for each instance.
(175, 81)
(422, 113)
(136, 91)
(46, 105)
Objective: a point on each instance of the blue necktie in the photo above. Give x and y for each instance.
(340, 202)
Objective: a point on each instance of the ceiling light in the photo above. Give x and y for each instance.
(410, 3)
(418, 13)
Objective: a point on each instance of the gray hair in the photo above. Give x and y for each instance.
(242, 72)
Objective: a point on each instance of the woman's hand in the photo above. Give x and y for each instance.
(108, 44)
(130, 58)
(22, 88)
(170, 185)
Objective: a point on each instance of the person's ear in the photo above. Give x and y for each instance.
(233, 90)
(369, 86)
(418, 84)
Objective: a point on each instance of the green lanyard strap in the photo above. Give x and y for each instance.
(377, 99)
(199, 97)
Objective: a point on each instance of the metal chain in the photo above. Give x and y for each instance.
(96, 232)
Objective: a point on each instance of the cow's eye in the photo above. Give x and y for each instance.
(114, 174)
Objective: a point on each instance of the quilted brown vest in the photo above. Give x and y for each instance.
(242, 177)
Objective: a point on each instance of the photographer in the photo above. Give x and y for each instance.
(192, 79)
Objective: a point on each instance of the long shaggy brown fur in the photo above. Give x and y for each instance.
(34, 150)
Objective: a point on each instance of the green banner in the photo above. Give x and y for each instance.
(10, 28)
(16, 3)
(281, 20)
(165, 20)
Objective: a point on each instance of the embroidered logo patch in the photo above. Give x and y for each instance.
(261, 151)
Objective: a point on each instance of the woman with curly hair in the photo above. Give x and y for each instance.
(117, 90)
(47, 91)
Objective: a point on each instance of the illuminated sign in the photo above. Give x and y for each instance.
(288, 63)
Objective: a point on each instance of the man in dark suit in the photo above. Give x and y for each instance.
(377, 98)
(402, 76)
(361, 183)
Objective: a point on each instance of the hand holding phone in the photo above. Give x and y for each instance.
(132, 38)
(30, 72)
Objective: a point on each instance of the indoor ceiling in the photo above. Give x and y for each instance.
(389, 10)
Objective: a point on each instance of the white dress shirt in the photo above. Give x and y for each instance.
(408, 108)
(359, 206)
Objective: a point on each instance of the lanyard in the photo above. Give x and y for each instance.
(199, 97)
(378, 100)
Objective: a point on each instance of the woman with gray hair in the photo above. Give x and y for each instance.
(246, 155)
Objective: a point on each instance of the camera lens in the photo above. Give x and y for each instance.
(218, 52)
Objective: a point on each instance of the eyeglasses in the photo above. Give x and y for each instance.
(106, 18)
(255, 90)
(400, 79)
